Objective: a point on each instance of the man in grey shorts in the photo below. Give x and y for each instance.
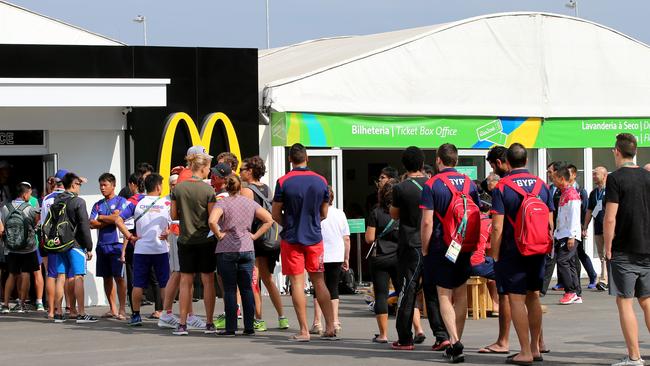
(627, 248)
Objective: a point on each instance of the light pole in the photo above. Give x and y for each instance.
(573, 4)
(268, 33)
(143, 20)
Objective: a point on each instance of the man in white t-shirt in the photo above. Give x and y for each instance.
(336, 246)
(152, 220)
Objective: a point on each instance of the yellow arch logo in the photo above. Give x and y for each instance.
(204, 138)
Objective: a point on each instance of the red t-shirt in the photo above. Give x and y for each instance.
(478, 257)
(184, 175)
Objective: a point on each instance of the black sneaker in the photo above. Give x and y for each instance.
(225, 333)
(454, 353)
(602, 286)
(59, 318)
(181, 330)
(85, 319)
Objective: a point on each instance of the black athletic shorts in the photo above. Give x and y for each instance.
(22, 262)
(444, 272)
(197, 258)
(272, 256)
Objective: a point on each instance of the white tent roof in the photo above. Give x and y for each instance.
(510, 64)
(22, 26)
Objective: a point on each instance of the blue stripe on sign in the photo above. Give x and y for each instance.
(316, 132)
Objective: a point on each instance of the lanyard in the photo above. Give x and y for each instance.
(600, 195)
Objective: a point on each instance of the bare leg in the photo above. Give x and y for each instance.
(460, 308)
(136, 296)
(299, 305)
(534, 321)
(70, 300)
(121, 294)
(50, 287)
(335, 309)
(645, 306)
(417, 324)
(492, 289)
(109, 291)
(209, 297)
(448, 313)
(324, 300)
(503, 341)
(382, 324)
(38, 285)
(172, 290)
(23, 290)
(257, 296)
(520, 321)
(629, 326)
(60, 284)
(317, 314)
(185, 295)
(267, 278)
(79, 294)
(9, 287)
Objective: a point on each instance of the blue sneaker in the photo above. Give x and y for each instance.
(591, 286)
(135, 321)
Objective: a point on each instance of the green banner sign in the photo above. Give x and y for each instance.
(357, 131)
(470, 171)
(357, 226)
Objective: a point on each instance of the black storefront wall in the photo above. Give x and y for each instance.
(203, 80)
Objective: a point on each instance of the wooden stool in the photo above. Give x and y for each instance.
(477, 295)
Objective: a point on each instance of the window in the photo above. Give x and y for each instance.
(572, 156)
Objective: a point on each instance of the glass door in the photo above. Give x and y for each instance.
(50, 166)
(473, 164)
(329, 164)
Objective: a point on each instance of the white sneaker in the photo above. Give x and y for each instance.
(169, 321)
(628, 362)
(195, 323)
(578, 300)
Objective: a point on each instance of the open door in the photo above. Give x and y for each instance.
(329, 164)
(50, 166)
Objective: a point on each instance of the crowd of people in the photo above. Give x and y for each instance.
(430, 230)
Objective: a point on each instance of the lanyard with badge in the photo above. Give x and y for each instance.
(599, 203)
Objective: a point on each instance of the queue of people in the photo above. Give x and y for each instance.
(431, 229)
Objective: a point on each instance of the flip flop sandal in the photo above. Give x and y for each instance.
(120, 317)
(375, 339)
(511, 360)
(545, 351)
(492, 351)
(296, 338)
(108, 315)
(419, 339)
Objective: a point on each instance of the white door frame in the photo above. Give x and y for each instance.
(337, 171)
(477, 152)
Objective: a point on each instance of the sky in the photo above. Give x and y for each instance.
(242, 23)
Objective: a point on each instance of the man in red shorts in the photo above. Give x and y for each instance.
(300, 203)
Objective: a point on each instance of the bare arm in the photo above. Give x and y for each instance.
(426, 230)
(324, 207)
(394, 213)
(370, 234)
(122, 228)
(609, 225)
(267, 220)
(276, 210)
(213, 222)
(346, 258)
(173, 210)
(496, 235)
(585, 226)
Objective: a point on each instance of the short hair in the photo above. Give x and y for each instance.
(144, 168)
(331, 192)
(390, 172)
(563, 171)
(448, 154)
(152, 181)
(297, 153)
(626, 145)
(107, 177)
(22, 188)
(551, 164)
(136, 178)
(497, 153)
(413, 159)
(557, 165)
(256, 166)
(68, 179)
(197, 162)
(428, 169)
(517, 155)
(230, 159)
(572, 168)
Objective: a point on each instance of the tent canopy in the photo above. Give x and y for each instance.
(511, 64)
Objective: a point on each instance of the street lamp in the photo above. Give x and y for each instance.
(573, 4)
(268, 33)
(143, 20)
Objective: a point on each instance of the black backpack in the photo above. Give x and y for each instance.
(271, 239)
(18, 228)
(58, 231)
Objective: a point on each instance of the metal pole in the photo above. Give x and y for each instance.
(359, 257)
(144, 24)
(268, 32)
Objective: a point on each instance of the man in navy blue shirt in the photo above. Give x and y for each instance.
(521, 277)
(109, 244)
(300, 204)
(449, 277)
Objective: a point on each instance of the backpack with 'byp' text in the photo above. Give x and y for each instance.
(58, 231)
(462, 220)
(532, 230)
(18, 235)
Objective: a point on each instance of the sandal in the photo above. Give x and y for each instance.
(489, 349)
(419, 338)
(108, 315)
(316, 329)
(120, 317)
(298, 338)
(511, 360)
(376, 339)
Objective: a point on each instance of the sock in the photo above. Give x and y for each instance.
(136, 313)
(39, 301)
(169, 312)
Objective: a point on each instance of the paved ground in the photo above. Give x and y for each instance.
(585, 334)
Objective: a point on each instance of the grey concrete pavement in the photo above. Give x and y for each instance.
(585, 334)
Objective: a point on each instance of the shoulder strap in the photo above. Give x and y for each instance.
(510, 183)
(386, 229)
(258, 193)
(20, 208)
(444, 177)
(416, 183)
(538, 187)
(146, 210)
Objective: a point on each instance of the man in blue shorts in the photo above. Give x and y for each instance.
(71, 263)
(109, 244)
(520, 277)
(447, 274)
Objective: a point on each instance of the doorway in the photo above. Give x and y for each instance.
(33, 169)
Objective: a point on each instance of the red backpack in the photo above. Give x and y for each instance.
(462, 221)
(532, 230)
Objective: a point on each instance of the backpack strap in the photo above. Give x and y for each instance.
(259, 193)
(416, 184)
(388, 227)
(146, 210)
(508, 182)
